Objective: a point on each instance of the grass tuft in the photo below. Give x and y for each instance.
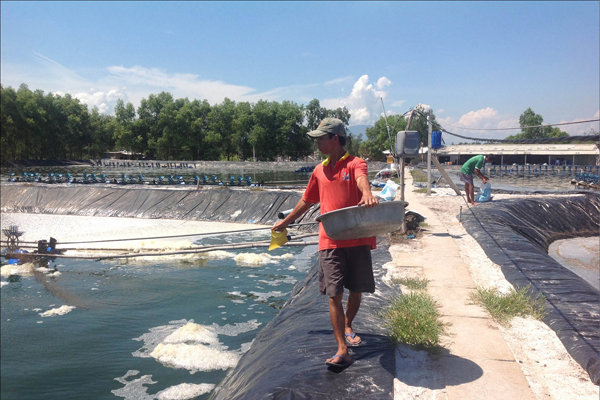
(418, 175)
(413, 319)
(423, 190)
(411, 283)
(504, 307)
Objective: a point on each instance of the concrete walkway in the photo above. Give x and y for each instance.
(478, 363)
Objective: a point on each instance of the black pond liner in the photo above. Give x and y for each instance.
(516, 233)
(224, 205)
(287, 358)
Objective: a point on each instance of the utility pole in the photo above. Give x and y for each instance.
(401, 165)
(430, 126)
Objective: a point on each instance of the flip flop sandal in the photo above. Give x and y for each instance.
(352, 344)
(343, 364)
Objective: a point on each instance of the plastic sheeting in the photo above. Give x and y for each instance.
(242, 206)
(516, 234)
(287, 358)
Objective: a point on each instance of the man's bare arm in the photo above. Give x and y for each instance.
(365, 188)
(296, 213)
(481, 176)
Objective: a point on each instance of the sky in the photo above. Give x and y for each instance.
(475, 64)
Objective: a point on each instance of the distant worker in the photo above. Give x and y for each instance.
(338, 182)
(474, 164)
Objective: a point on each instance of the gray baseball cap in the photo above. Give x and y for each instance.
(329, 125)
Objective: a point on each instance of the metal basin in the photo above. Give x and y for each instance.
(360, 222)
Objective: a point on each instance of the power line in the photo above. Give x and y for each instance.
(524, 127)
(566, 139)
(561, 139)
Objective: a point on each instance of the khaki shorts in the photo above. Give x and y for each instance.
(348, 267)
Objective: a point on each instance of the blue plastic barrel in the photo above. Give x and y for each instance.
(436, 140)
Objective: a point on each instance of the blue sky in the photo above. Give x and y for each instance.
(477, 64)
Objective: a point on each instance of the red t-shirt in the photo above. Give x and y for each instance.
(334, 190)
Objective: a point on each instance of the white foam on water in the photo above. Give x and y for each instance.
(36, 309)
(218, 255)
(26, 269)
(3, 283)
(277, 282)
(246, 346)
(292, 267)
(221, 306)
(256, 260)
(237, 328)
(194, 357)
(263, 297)
(238, 301)
(159, 245)
(156, 336)
(186, 345)
(185, 391)
(62, 310)
(134, 389)
(252, 276)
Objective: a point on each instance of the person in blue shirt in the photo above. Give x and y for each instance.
(473, 165)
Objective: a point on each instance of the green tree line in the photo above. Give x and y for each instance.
(39, 126)
(530, 118)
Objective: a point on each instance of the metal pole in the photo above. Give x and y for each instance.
(401, 168)
(430, 125)
(402, 178)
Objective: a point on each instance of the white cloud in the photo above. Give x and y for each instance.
(583, 128)
(486, 118)
(105, 101)
(489, 118)
(130, 84)
(383, 82)
(150, 80)
(337, 81)
(364, 102)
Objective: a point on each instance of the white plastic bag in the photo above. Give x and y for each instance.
(484, 194)
(389, 191)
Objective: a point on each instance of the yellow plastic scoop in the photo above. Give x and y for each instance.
(278, 239)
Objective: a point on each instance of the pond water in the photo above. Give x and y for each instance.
(157, 328)
(520, 182)
(580, 255)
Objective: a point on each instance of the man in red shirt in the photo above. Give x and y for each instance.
(338, 182)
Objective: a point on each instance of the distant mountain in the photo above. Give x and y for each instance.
(359, 130)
